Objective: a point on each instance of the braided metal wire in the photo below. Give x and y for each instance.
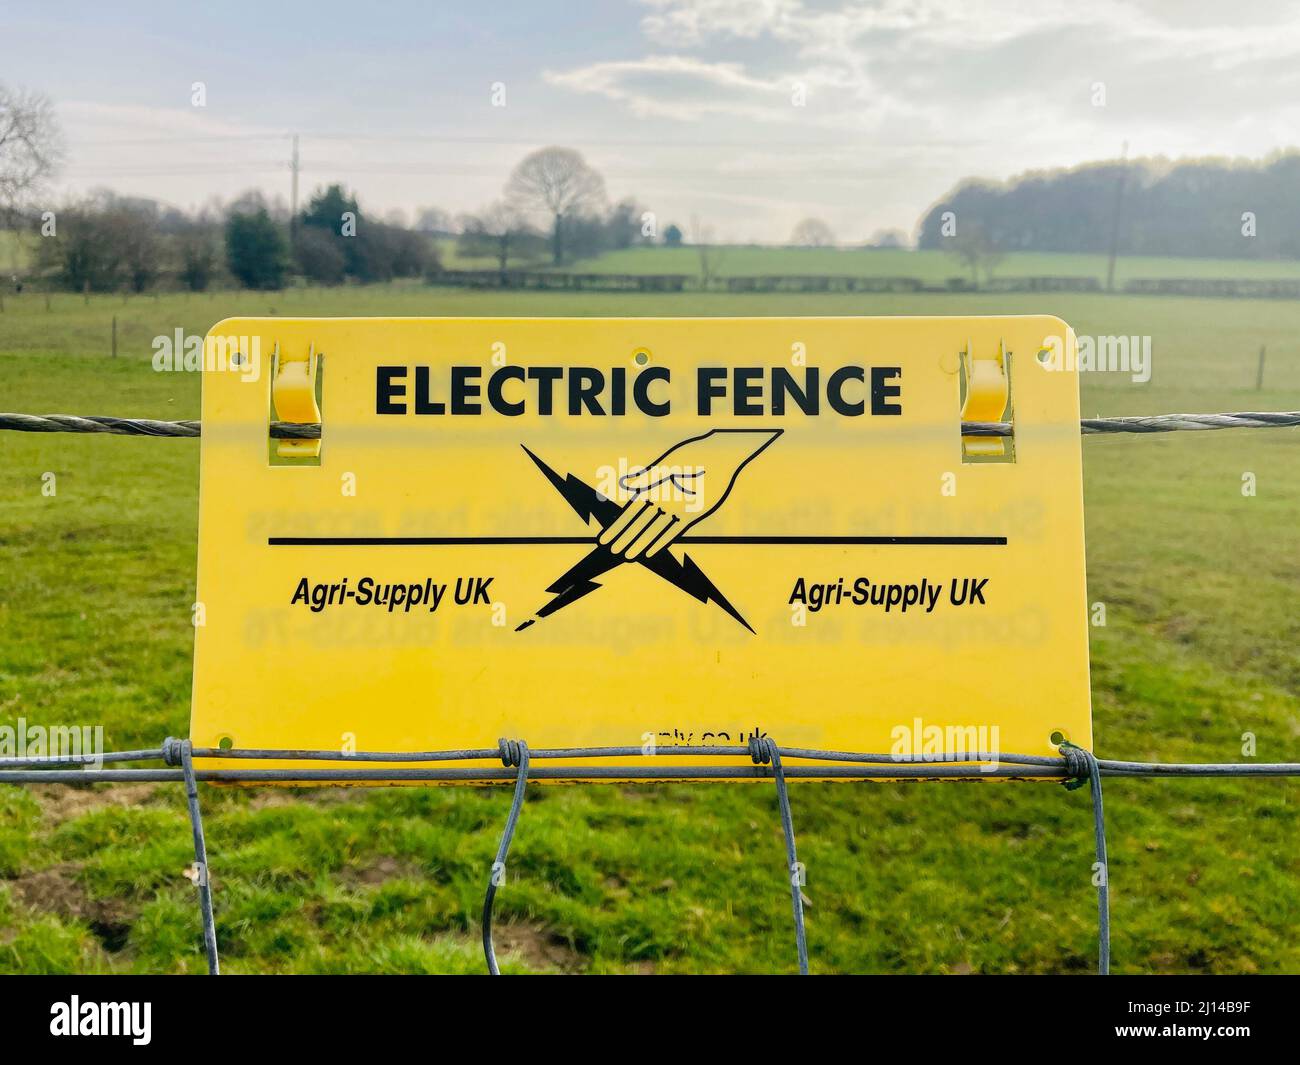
(1145, 424)
(514, 753)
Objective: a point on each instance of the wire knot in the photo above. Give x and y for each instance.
(512, 752)
(171, 750)
(1079, 763)
(760, 749)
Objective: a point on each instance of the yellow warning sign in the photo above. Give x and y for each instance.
(641, 532)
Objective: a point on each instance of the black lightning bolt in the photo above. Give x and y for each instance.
(579, 580)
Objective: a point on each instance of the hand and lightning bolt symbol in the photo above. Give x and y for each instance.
(640, 531)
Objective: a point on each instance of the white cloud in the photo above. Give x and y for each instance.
(679, 23)
(103, 118)
(906, 97)
(1227, 35)
(681, 88)
(837, 30)
(997, 70)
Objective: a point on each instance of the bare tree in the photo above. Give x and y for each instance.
(134, 230)
(710, 254)
(104, 244)
(812, 233)
(888, 238)
(198, 248)
(30, 145)
(559, 182)
(499, 230)
(978, 250)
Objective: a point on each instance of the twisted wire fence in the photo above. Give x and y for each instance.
(1149, 423)
(1075, 767)
(761, 759)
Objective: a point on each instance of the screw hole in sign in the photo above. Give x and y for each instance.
(1058, 737)
(226, 743)
(1043, 356)
(641, 357)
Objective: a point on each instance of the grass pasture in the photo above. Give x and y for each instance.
(1200, 585)
(931, 267)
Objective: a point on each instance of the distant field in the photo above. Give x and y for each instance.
(1200, 584)
(745, 260)
(14, 254)
(932, 266)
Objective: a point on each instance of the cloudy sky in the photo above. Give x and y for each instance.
(749, 114)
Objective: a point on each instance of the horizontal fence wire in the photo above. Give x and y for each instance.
(866, 765)
(1153, 423)
(1074, 767)
(971, 765)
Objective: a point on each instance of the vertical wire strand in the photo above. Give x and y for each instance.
(1103, 887)
(512, 753)
(1082, 765)
(200, 859)
(764, 751)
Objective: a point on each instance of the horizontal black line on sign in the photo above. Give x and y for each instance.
(497, 541)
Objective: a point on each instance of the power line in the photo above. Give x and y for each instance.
(872, 145)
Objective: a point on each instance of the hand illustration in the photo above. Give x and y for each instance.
(680, 488)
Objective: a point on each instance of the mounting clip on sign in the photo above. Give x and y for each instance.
(643, 532)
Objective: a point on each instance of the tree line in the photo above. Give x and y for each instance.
(553, 208)
(1211, 208)
(107, 242)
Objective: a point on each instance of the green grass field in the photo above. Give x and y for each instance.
(932, 267)
(1200, 584)
(15, 253)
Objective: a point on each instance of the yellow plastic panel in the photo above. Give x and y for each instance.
(668, 552)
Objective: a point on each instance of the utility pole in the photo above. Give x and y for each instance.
(1114, 222)
(293, 197)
